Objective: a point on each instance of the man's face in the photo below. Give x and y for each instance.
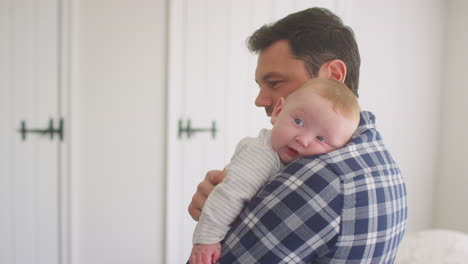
(278, 74)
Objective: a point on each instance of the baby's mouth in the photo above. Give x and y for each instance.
(292, 152)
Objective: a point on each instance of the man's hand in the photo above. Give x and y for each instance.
(205, 187)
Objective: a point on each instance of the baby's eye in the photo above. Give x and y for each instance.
(298, 122)
(321, 139)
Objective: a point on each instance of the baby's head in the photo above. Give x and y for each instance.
(318, 117)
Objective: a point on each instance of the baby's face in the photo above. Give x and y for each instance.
(306, 125)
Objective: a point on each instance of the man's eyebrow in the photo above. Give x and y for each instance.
(270, 75)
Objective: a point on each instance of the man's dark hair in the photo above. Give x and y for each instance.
(315, 36)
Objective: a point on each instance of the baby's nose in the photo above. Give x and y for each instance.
(303, 140)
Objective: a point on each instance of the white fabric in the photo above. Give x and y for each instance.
(253, 163)
(433, 247)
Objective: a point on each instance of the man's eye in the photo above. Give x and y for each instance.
(321, 139)
(274, 83)
(298, 122)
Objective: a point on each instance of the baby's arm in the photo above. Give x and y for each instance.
(204, 188)
(205, 254)
(250, 167)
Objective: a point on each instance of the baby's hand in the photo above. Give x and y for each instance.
(205, 254)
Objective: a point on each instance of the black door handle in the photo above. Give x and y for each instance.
(49, 130)
(189, 130)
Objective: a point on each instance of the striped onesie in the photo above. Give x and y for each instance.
(254, 162)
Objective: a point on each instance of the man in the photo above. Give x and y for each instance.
(346, 206)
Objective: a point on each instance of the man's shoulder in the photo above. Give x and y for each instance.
(343, 162)
(354, 165)
(365, 150)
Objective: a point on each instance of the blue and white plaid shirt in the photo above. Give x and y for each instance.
(346, 206)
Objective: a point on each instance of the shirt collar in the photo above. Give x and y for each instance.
(366, 124)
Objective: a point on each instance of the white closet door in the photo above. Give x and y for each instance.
(29, 171)
(211, 79)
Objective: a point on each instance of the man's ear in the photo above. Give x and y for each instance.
(334, 69)
(278, 107)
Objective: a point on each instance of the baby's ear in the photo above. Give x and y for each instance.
(278, 107)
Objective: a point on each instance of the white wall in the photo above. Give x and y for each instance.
(401, 52)
(118, 117)
(452, 210)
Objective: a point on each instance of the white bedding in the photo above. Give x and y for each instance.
(433, 247)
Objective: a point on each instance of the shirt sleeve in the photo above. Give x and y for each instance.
(295, 218)
(251, 166)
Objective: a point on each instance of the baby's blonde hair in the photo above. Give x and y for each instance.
(343, 100)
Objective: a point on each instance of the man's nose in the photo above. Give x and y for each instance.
(263, 99)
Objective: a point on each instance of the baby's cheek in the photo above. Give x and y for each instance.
(274, 141)
(275, 148)
(277, 145)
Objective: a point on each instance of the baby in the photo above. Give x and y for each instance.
(319, 117)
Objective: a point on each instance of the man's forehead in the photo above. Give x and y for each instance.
(277, 65)
(271, 68)
(273, 56)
